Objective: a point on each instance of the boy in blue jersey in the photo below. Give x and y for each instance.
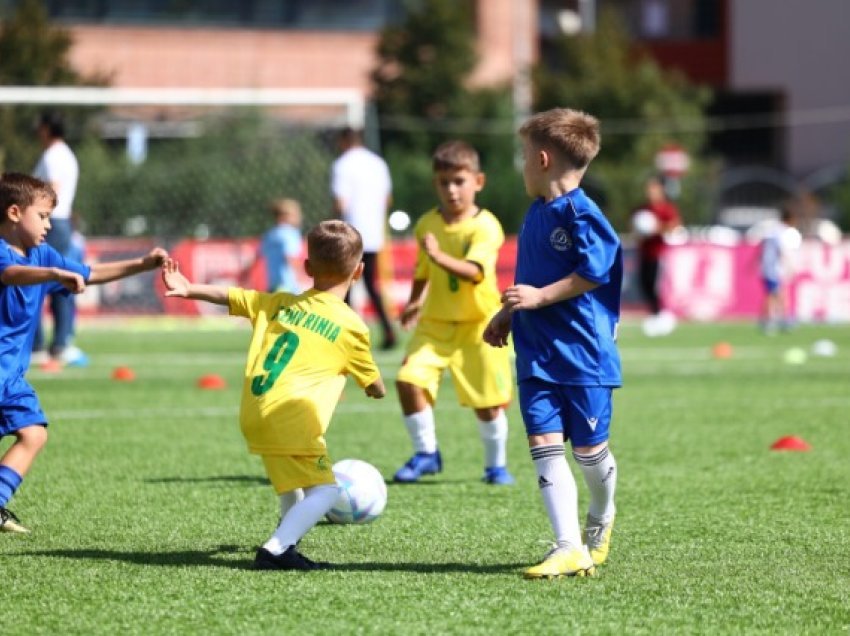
(29, 270)
(563, 310)
(280, 248)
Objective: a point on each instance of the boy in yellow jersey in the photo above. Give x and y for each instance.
(302, 348)
(454, 294)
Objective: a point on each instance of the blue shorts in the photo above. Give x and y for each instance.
(771, 285)
(19, 408)
(581, 413)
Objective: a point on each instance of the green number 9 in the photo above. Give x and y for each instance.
(277, 359)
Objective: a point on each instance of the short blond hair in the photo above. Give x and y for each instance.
(334, 248)
(573, 134)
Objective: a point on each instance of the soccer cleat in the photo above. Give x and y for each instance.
(597, 538)
(74, 357)
(10, 523)
(497, 475)
(418, 465)
(562, 561)
(290, 559)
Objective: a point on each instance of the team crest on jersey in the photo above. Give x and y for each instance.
(592, 422)
(560, 239)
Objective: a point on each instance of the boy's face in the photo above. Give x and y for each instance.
(456, 189)
(32, 222)
(533, 173)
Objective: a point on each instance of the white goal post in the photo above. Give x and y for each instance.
(352, 101)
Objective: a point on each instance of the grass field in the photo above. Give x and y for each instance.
(146, 509)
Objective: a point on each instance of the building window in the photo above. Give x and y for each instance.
(366, 15)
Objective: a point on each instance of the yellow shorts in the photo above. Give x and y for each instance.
(481, 374)
(290, 472)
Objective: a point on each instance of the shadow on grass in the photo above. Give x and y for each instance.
(211, 558)
(244, 479)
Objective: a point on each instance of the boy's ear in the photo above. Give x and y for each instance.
(358, 272)
(480, 180)
(13, 213)
(544, 158)
(307, 267)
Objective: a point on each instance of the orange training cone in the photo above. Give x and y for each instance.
(722, 350)
(123, 374)
(212, 382)
(791, 443)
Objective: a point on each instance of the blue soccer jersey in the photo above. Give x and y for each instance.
(571, 342)
(20, 306)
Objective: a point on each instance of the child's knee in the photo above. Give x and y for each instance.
(32, 437)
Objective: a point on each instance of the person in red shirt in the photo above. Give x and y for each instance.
(651, 221)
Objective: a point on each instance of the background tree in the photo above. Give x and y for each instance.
(422, 95)
(641, 108)
(33, 52)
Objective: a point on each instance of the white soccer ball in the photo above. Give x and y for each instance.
(644, 223)
(362, 492)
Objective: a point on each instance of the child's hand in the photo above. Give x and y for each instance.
(522, 297)
(410, 314)
(155, 258)
(71, 281)
(376, 390)
(175, 282)
(498, 329)
(430, 245)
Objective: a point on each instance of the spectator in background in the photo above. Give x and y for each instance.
(362, 192)
(58, 166)
(651, 221)
(777, 266)
(280, 248)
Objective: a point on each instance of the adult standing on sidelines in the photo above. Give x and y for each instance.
(58, 166)
(362, 191)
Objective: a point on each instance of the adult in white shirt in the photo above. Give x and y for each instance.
(362, 191)
(58, 166)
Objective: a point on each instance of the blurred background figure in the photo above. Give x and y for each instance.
(362, 192)
(656, 217)
(58, 166)
(281, 248)
(778, 247)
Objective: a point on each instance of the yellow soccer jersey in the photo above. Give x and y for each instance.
(301, 350)
(476, 239)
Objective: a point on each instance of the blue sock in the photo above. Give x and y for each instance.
(9, 482)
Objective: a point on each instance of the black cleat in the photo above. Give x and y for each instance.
(290, 559)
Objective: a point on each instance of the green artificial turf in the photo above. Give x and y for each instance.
(146, 508)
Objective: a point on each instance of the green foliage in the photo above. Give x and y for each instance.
(422, 96)
(218, 184)
(33, 52)
(641, 108)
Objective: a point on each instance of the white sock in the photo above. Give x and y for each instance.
(422, 431)
(560, 496)
(600, 474)
(302, 516)
(289, 499)
(494, 436)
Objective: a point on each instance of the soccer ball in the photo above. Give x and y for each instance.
(362, 492)
(644, 223)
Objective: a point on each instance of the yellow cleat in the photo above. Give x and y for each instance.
(597, 538)
(10, 523)
(560, 562)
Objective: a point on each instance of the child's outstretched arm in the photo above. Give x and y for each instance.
(32, 275)
(106, 272)
(376, 389)
(528, 297)
(180, 287)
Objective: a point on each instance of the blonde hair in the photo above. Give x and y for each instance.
(334, 248)
(287, 210)
(572, 134)
(456, 155)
